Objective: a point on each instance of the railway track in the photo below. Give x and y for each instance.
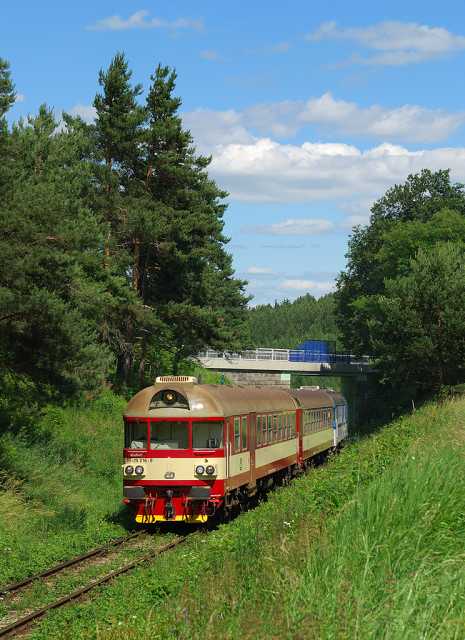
(20, 624)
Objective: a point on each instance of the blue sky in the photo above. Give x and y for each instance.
(310, 112)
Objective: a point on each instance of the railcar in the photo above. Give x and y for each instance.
(193, 451)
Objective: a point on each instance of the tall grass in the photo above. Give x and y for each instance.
(367, 546)
(391, 565)
(60, 485)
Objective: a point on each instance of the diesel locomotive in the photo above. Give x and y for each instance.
(193, 451)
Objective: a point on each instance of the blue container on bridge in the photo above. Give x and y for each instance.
(314, 351)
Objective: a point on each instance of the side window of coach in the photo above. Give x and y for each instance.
(269, 420)
(244, 432)
(237, 434)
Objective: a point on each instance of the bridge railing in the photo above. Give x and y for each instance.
(287, 355)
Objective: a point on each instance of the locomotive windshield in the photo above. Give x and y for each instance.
(169, 435)
(135, 435)
(207, 435)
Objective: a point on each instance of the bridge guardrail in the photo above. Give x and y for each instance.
(286, 355)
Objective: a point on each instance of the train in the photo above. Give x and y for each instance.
(193, 452)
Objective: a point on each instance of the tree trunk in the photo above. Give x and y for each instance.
(136, 266)
(142, 362)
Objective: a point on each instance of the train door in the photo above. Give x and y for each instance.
(252, 446)
(227, 447)
(335, 423)
(299, 434)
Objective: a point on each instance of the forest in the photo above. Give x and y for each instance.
(114, 265)
(402, 295)
(286, 324)
(112, 248)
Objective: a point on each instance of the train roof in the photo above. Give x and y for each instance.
(337, 397)
(208, 400)
(312, 398)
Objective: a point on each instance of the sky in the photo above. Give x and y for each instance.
(311, 111)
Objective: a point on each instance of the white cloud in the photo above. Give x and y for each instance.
(354, 221)
(399, 42)
(267, 171)
(408, 123)
(307, 285)
(211, 128)
(282, 286)
(259, 270)
(293, 227)
(210, 55)
(87, 112)
(20, 97)
(142, 20)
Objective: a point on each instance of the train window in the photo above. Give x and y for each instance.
(169, 435)
(207, 435)
(264, 429)
(135, 435)
(258, 433)
(270, 428)
(237, 434)
(244, 432)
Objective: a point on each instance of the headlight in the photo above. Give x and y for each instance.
(129, 470)
(169, 397)
(200, 469)
(210, 469)
(139, 470)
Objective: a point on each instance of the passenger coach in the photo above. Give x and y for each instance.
(195, 450)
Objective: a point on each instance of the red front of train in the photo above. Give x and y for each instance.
(174, 462)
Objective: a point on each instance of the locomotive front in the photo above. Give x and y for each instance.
(174, 454)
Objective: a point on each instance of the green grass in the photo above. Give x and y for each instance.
(60, 486)
(368, 546)
(60, 482)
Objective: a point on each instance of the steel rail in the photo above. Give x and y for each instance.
(74, 595)
(14, 586)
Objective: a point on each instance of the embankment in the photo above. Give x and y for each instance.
(368, 545)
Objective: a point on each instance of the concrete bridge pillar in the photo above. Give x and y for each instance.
(255, 377)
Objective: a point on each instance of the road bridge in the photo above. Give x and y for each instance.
(274, 366)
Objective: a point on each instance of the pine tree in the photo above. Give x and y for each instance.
(7, 89)
(181, 263)
(117, 137)
(7, 99)
(60, 311)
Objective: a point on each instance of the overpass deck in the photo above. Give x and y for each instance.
(286, 361)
